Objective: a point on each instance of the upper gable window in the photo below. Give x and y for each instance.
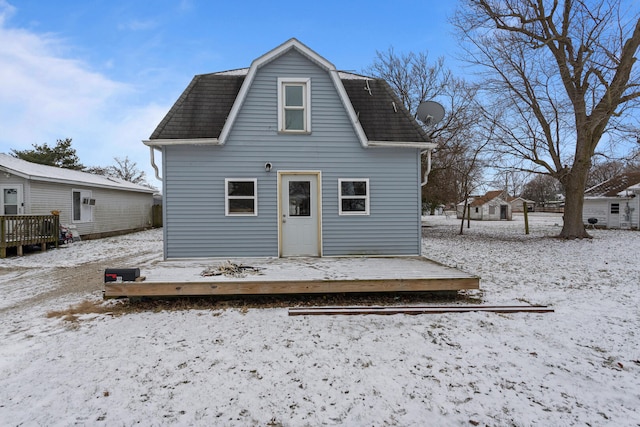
(294, 110)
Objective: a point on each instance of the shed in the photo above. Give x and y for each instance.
(517, 204)
(615, 202)
(492, 206)
(96, 205)
(290, 157)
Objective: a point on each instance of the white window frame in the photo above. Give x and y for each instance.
(86, 210)
(306, 103)
(341, 197)
(254, 197)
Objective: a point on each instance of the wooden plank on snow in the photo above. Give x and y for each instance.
(429, 309)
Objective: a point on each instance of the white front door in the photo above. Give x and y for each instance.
(11, 200)
(299, 214)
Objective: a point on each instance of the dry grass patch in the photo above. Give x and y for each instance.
(244, 303)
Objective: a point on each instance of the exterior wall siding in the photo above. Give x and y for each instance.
(599, 208)
(195, 221)
(114, 210)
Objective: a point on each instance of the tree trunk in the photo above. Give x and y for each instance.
(574, 182)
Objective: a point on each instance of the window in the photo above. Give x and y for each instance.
(353, 195)
(241, 196)
(81, 210)
(615, 208)
(294, 112)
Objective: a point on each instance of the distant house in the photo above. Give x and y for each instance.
(614, 203)
(517, 204)
(492, 206)
(95, 205)
(290, 157)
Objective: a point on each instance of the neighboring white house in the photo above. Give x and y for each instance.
(614, 203)
(95, 205)
(517, 204)
(492, 206)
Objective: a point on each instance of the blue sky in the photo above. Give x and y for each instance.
(104, 73)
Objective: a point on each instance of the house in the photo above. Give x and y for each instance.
(95, 205)
(614, 203)
(517, 204)
(290, 157)
(492, 206)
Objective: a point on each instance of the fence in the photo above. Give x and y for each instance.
(156, 212)
(25, 230)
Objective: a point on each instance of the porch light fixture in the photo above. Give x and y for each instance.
(268, 166)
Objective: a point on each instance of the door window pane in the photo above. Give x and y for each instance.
(615, 208)
(299, 198)
(10, 201)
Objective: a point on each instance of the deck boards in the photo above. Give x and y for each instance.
(296, 276)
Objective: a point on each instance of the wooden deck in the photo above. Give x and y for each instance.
(24, 230)
(295, 276)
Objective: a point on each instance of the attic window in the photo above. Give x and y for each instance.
(294, 110)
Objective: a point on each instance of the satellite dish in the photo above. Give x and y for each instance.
(430, 112)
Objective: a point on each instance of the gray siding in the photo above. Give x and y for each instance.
(600, 207)
(195, 223)
(114, 210)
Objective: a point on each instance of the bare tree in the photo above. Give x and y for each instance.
(415, 80)
(412, 77)
(565, 74)
(541, 188)
(124, 169)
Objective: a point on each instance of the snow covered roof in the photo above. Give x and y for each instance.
(37, 172)
(617, 186)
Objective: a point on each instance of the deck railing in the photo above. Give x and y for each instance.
(24, 230)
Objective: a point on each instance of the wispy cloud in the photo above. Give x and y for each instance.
(45, 96)
(6, 11)
(139, 25)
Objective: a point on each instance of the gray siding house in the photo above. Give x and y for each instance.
(94, 205)
(290, 157)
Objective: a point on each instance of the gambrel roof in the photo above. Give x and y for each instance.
(205, 111)
(615, 186)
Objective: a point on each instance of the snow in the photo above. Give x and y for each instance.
(236, 365)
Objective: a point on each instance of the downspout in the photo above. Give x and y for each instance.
(425, 178)
(153, 164)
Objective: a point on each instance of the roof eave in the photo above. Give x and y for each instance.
(181, 141)
(404, 144)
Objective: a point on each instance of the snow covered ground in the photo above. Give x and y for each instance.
(233, 365)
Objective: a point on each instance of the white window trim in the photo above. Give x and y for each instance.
(88, 216)
(254, 197)
(306, 82)
(366, 197)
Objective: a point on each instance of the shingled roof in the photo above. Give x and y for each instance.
(380, 112)
(614, 186)
(490, 195)
(204, 106)
(202, 109)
